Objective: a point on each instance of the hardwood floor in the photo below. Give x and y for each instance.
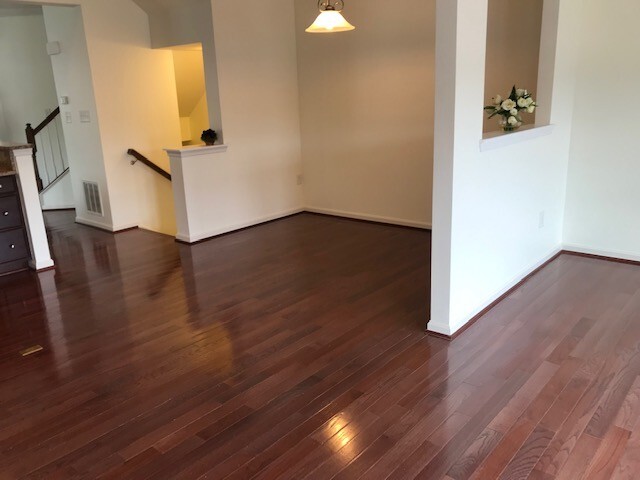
(295, 350)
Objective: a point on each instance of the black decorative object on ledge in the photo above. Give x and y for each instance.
(209, 137)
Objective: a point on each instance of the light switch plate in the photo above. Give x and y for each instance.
(64, 100)
(68, 116)
(85, 116)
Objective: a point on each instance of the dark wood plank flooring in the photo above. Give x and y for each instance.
(296, 350)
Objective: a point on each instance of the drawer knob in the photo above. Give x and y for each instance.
(6, 214)
(13, 247)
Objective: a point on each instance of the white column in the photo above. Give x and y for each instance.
(461, 33)
(40, 253)
(179, 195)
(444, 138)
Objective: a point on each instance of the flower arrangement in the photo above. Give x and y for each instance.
(509, 110)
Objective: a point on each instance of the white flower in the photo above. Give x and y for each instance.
(529, 101)
(523, 103)
(497, 100)
(512, 121)
(531, 108)
(521, 92)
(508, 105)
(514, 112)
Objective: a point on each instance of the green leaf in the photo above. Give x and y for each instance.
(514, 95)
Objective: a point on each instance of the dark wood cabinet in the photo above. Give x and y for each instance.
(8, 184)
(14, 244)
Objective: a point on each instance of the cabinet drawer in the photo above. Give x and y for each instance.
(13, 245)
(10, 214)
(7, 184)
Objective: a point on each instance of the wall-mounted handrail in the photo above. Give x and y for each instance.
(141, 158)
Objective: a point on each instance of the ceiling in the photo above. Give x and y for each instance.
(11, 9)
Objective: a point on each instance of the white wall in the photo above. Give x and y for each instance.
(191, 22)
(256, 178)
(72, 73)
(513, 48)
(137, 103)
(366, 102)
(251, 77)
(199, 120)
(59, 195)
(27, 88)
(486, 228)
(131, 93)
(192, 96)
(28, 94)
(602, 213)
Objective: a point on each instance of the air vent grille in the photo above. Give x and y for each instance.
(92, 197)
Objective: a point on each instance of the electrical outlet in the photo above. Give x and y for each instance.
(300, 179)
(541, 220)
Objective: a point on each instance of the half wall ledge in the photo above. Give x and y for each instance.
(196, 150)
(192, 168)
(495, 140)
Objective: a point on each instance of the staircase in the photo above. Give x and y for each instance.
(50, 159)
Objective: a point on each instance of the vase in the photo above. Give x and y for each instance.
(507, 127)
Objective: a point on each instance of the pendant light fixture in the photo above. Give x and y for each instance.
(330, 19)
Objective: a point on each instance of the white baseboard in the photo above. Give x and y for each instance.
(41, 264)
(372, 218)
(147, 228)
(602, 253)
(121, 228)
(94, 223)
(193, 238)
(437, 326)
(103, 226)
(48, 208)
(441, 328)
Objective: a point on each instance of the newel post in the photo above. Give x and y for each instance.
(31, 139)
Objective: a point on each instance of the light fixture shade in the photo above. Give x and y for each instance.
(330, 21)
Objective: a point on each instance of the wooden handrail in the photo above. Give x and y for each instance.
(31, 133)
(141, 158)
(46, 121)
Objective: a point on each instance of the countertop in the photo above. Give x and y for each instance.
(6, 163)
(10, 146)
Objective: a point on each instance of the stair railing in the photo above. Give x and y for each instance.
(50, 160)
(138, 157)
